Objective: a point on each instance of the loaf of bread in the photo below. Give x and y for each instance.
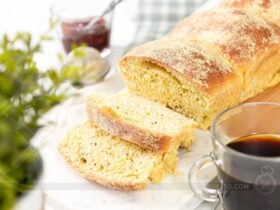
(140, 121)
(212, 60)
(113, 162)
(269, 9)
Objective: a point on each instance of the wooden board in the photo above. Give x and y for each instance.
(271, 95)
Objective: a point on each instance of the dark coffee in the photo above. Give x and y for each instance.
(247, 192)
(259, 145)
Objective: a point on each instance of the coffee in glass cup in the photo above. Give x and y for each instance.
(246, 154)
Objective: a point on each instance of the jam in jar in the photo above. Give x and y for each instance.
(74, 34)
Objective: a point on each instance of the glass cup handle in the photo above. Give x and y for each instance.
(207, 194)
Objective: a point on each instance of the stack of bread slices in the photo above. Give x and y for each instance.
(127, 141)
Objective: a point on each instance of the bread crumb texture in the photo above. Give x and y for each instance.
(113, 162)
(184, 81)
(140, 121)
(192, 60)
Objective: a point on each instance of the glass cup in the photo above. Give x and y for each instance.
(74, 16)
(246, 182)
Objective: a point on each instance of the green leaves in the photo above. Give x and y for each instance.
(71, 72)
(26, 94)
(7, 195)
(7, 85)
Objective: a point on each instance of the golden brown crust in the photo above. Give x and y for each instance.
(94, 178)
(195, 62)
(244, 3)
(269, 9)
(109, 121)
(215, 59)
(243, 37)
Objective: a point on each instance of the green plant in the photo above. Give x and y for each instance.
(26, 93)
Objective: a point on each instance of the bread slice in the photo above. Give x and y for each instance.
(112, 162)
(140, 121)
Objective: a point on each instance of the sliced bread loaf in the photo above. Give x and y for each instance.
(140, 121)
(112, 162)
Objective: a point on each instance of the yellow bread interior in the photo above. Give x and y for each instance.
(154, 82)
(146, 115)
(113, 162)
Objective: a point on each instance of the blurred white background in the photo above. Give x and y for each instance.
(33, 16)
